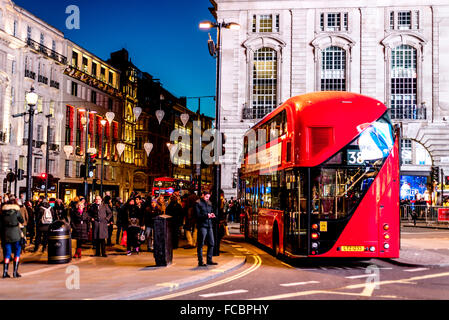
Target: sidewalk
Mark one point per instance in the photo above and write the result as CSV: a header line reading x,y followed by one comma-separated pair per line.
x,y
117,277
424,250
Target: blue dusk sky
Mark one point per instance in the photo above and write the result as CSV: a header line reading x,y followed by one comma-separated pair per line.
x,y
162,38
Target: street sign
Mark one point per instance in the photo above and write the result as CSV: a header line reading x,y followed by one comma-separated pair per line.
x,y
443,214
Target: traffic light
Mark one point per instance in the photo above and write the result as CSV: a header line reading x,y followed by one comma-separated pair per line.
x,y
435,174
91,165
20,174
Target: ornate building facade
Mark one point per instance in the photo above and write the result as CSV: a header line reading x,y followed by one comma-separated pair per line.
x,y
32,54
91,88
394,51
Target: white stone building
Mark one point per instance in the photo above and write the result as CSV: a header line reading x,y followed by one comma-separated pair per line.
x,y
395,51
32,54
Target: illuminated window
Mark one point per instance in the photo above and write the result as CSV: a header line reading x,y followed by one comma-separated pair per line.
x,y
264,84
403,83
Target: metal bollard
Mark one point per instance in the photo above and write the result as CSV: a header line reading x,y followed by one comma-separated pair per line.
x,y
163,248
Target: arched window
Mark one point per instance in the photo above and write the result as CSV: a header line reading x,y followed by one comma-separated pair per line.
x,y
403,75
264,88
333,69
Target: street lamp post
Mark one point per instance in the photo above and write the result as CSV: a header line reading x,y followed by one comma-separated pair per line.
x,y
215,51
85,122
47,154
31,100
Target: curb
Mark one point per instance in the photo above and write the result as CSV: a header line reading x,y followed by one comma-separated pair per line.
x,y
175,285
411,264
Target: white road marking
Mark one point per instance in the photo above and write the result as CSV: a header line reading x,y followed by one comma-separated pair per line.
x,y
209,295
416,270
60,266
359,276
298,283
356,286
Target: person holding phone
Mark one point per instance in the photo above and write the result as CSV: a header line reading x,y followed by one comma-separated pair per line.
x,y
204,215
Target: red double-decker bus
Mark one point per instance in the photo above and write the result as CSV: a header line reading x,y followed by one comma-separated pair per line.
x,y
320,178
165,186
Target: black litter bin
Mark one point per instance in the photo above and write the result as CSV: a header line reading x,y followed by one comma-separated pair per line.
x,y
59,243
163,247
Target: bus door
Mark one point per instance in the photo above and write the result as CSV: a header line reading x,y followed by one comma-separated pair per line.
x,y
293,203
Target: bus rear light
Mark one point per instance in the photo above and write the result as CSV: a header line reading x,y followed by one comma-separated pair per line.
x,y
315,236
386,227
387,236
313,252
315,226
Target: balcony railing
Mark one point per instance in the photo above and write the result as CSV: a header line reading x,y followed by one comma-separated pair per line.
x,y
30,74
408,113
46,51
36,144
54,84
253,113
42,79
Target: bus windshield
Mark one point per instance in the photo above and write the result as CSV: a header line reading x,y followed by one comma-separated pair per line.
x,y
339,184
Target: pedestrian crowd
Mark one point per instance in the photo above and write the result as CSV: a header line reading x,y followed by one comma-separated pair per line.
x,y
24,225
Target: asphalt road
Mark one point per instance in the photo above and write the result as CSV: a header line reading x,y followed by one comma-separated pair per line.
x,y
265,278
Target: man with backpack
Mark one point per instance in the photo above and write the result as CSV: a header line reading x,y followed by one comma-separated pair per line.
x,y
44,217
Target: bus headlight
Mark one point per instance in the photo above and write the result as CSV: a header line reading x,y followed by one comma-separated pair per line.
x,y
386,246
315,245
372,249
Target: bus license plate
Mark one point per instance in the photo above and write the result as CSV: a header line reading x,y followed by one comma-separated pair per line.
x,y
353,248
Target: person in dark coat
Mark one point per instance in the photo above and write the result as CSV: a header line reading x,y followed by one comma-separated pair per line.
x,y
190,225
44,218
31,228
135,223
60,210
204,215
107,200
100,215
151,212
79,221
122,219
174,209
10,218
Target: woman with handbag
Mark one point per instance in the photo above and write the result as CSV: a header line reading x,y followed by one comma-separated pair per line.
x,y
10,219
79,221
